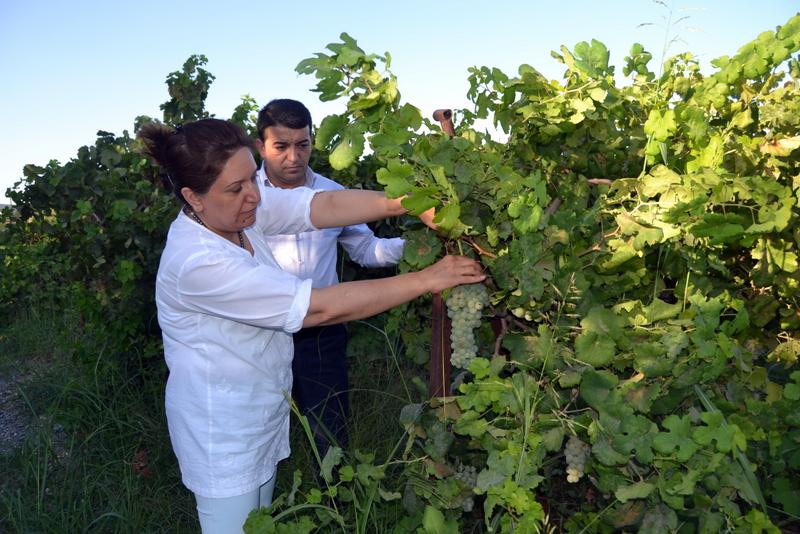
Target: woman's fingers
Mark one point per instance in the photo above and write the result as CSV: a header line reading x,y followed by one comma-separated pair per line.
x,y
451,271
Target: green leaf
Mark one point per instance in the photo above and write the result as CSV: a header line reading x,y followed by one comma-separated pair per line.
x,y
726,437
604,322
596,387
592,59
621,252
606,454
553,439
346,473
787,493
447,220
525,212
709,156
659,519
742,119
439,440
395,178
658,310
332,458
419,202
721,228
639,490
595,348
695,124
347,150
791,392
122,209
422,248
331,126
679,437
434,522
348,53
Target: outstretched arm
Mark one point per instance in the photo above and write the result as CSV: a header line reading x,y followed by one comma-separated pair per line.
x,y
351,301
330,209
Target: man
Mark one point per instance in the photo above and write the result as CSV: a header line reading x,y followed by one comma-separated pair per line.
x,y
320,386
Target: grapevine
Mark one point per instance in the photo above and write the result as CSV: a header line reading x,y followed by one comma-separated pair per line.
x,y
464,307
637,237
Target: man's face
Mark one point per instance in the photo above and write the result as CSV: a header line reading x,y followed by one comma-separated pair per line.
x,y
286,152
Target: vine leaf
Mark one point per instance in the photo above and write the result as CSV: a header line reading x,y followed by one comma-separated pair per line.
x,y
595,348
725,436
679,437
660,124
348,150
394,177
639,490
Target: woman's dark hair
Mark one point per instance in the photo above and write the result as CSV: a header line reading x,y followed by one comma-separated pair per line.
x,y
192,155
283,112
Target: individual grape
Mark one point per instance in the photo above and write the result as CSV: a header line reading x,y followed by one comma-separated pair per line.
x,y
464,307
576,453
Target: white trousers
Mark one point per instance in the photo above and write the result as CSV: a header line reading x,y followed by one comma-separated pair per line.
x,y
227,515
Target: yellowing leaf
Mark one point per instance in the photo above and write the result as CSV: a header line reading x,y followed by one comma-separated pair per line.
x,y
781,147
660,124
786,353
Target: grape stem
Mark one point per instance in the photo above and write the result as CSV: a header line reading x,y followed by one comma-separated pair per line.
x,y
499,340
479,249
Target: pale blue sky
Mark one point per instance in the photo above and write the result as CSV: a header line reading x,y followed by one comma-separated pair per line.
x,y
70,68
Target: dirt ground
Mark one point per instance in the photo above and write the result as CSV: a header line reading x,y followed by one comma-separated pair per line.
x,y
15,417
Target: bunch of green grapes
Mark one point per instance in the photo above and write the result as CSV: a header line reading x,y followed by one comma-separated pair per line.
x,y
576,452
464,307
467,475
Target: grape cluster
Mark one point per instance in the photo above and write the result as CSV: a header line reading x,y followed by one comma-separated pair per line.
x,y
467,475
577,452
464,307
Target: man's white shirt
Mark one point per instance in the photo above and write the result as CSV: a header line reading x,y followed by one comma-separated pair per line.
x,y
313,255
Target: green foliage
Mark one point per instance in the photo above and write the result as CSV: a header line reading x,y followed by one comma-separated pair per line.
x,y
188,89
642,245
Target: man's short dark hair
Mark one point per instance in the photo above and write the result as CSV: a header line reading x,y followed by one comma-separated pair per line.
x,y
283,112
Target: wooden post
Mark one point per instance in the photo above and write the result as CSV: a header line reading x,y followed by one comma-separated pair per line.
x,y
439,383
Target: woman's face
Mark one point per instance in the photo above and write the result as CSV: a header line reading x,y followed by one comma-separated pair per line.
x,y
230,204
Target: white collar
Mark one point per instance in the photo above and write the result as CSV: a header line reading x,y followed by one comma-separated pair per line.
x,y
311,177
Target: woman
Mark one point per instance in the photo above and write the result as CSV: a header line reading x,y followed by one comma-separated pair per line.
x,y
227,311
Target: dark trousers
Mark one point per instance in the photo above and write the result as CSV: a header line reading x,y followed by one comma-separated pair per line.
x,y
320,386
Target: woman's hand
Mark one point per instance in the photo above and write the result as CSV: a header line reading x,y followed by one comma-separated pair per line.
x,y
452,271
427,218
